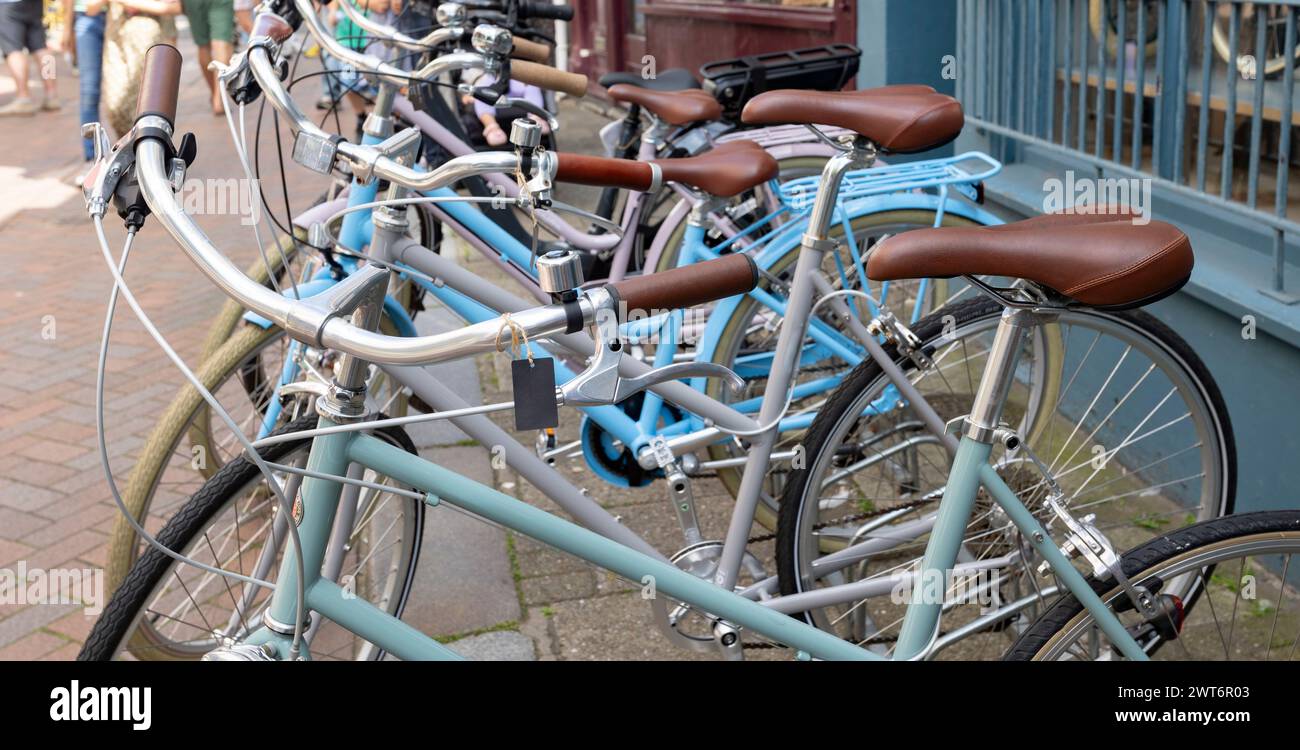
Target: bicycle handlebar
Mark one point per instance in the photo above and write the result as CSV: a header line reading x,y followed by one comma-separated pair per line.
x,y
391,34
315,321
526,49
529,72
546,77
688,286
160,83
603,171
530,9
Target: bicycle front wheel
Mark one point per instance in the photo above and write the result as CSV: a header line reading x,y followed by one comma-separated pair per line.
x,y
1120,410
1240,566
167,610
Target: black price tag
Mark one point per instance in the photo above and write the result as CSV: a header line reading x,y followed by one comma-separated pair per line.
x,y
534,385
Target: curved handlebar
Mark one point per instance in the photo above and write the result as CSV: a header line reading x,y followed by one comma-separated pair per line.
x,y
391,34
310,320
529,72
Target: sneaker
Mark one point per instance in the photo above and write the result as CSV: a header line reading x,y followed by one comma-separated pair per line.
x,y
52,104
22,107
325,102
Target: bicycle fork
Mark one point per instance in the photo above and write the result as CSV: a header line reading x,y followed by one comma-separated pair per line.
x,y
970,471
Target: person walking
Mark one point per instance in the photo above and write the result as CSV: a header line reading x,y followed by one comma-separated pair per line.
x,y
83,33
21,34
212,24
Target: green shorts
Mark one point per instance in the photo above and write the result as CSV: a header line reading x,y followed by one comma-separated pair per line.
x,y
210,19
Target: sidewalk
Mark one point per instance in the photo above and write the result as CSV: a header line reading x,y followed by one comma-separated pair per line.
x,y
497,595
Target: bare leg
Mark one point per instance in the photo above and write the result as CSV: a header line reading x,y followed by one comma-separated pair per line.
x,y
17,62
221,51
46,61
205,57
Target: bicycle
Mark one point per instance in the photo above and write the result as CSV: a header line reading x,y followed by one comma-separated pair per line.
x,y
1112,281
244,359
698,551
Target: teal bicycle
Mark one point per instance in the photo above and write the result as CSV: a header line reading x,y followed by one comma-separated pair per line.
x,y
1127,608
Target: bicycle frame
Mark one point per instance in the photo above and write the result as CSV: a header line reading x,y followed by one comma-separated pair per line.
x,y
475,301
332,454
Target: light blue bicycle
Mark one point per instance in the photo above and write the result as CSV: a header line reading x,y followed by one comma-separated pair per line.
x,y
1131,607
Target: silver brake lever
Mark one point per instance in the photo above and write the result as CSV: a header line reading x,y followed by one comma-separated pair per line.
x,y
600,384
510,101
628,387
532,109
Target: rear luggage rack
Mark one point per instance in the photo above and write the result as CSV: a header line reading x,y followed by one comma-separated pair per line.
x,y
963,172
734,82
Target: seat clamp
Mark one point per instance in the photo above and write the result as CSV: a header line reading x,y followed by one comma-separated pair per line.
x,y
656,178
821,246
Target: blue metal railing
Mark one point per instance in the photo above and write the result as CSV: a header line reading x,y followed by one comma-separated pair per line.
x,y
1147,89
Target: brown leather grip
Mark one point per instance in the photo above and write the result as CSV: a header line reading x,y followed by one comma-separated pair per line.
x,y
527,49
602,171
160,83
546,77
689,285
270,25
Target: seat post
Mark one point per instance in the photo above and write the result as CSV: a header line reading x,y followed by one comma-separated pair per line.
x,y
861,155
999,374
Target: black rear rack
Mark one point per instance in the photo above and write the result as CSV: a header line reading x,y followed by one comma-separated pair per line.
x,y
734,82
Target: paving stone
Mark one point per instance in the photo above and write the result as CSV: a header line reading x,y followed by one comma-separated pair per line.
x,y
464,581
501,645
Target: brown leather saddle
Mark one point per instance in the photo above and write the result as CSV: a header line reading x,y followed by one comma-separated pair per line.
x,y
899,119
729,169
673,107
1101,260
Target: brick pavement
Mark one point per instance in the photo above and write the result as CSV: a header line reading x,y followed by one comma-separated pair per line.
x,y
55,507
